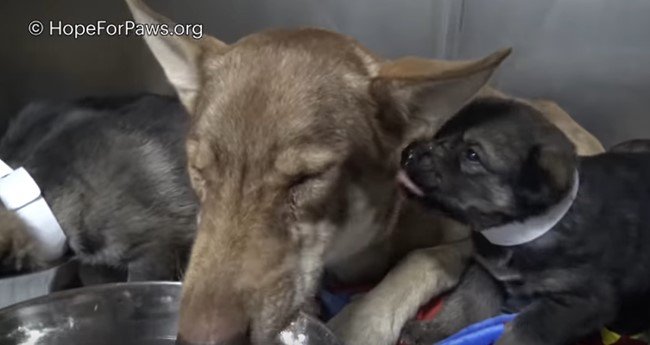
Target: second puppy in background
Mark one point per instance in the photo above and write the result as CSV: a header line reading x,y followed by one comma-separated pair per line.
x,y
560,238
113,171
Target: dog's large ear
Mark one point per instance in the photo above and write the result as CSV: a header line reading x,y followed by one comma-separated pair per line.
x,y
419,95
179,56
547,175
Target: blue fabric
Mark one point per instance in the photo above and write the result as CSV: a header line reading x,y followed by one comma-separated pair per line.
x,y
483,333
332,303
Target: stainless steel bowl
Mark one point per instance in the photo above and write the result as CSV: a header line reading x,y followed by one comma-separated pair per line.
x,y
120,313
18,288
111,314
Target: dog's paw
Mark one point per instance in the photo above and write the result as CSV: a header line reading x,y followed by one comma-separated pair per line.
x,y
513,335
421,333
18,252
508,339
361,323
413,333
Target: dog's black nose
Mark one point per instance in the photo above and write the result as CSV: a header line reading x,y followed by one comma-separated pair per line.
x,y
418,156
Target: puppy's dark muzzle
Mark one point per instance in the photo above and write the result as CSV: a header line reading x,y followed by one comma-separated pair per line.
x,y
418,155
419,163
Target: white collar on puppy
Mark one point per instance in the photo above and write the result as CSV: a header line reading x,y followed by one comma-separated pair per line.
x,y
517,233
20,193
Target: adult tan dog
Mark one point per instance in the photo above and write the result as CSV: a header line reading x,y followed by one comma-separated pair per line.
x,y
293,152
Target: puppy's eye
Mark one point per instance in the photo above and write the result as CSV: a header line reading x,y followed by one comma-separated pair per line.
x,y
472,156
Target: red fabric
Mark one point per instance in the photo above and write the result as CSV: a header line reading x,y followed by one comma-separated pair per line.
x,y
429,311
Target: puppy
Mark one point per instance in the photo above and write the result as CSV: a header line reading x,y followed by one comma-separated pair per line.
x,y
562,238
113,171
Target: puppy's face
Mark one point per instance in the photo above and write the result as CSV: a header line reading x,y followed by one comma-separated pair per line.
x,y
495,162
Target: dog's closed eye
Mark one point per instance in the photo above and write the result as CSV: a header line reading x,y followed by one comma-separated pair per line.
x,y
311,188
303,178
302,164
314,178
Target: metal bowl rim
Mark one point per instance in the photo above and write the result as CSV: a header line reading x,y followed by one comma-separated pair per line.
x,y
60,295
38,272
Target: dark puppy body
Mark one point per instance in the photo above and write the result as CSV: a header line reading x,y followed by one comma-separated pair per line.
x,y
114,173
635,145
499,162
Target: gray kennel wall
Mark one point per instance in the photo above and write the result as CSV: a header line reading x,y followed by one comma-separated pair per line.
x,y
588,55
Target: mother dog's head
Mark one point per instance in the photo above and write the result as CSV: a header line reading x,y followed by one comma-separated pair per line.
x,y
295,139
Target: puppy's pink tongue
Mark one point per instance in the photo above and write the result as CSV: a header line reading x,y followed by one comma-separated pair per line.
x,y
404,180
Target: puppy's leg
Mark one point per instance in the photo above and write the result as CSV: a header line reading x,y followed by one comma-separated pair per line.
x,y
378,317
18,251
561,319
477,297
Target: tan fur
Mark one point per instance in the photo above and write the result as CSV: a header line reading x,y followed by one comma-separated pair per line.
x,y
293,152
17,248
378,316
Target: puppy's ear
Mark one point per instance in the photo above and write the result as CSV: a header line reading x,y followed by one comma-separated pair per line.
x,y
546,176
419,95
179,56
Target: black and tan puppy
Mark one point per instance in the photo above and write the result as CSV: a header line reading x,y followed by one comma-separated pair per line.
x,y
564,239
113,171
